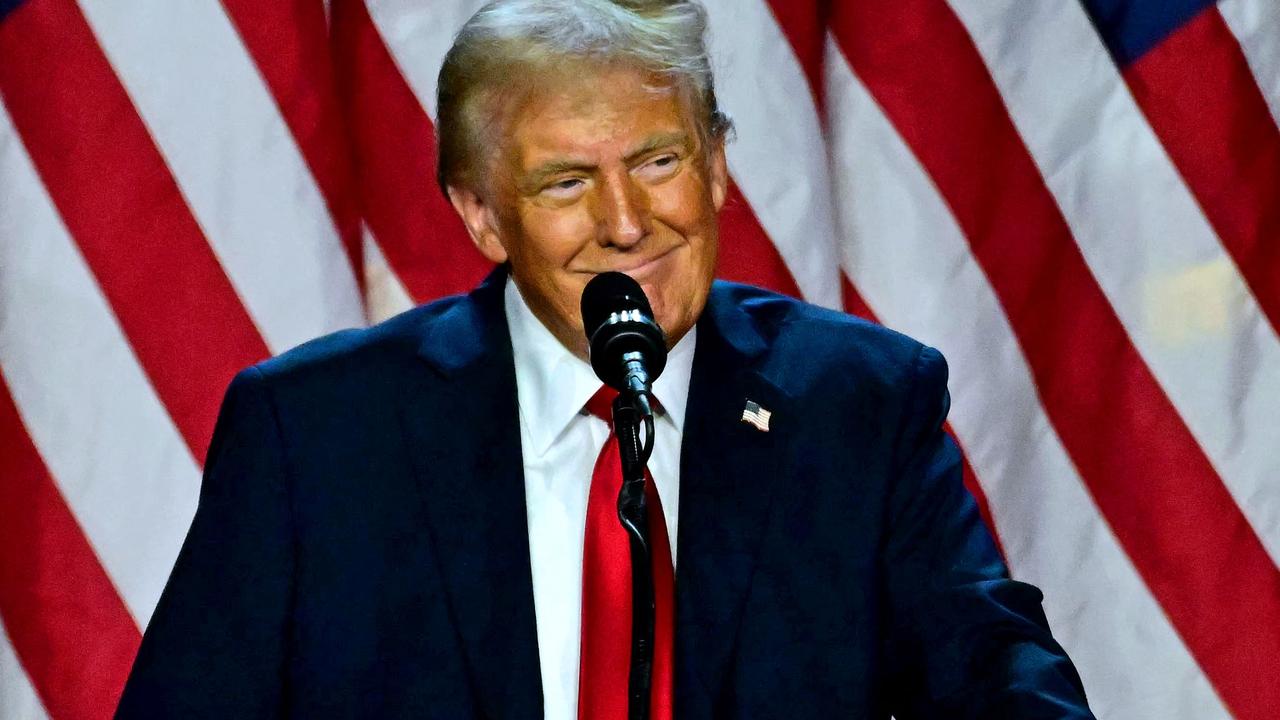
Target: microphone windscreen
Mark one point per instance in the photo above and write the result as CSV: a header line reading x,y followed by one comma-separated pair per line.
x,y
608,293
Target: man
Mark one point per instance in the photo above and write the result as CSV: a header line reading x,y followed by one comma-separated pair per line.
x,y
403,521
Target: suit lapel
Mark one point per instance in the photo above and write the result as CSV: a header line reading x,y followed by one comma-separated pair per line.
x,y
729,471
464,437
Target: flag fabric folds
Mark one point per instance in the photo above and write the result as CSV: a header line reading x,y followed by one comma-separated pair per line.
x,y
1077,201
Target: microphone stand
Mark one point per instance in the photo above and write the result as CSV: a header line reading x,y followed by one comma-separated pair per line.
x,y
628,417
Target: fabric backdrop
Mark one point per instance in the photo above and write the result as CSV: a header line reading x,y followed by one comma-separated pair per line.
x,y
1077,201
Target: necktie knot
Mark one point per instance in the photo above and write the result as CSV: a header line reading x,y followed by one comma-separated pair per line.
x,y
601,404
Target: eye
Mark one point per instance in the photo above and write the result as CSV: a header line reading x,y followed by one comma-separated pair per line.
x,y
566,189
660,168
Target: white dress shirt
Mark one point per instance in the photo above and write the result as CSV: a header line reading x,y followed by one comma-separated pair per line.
x,y
560,442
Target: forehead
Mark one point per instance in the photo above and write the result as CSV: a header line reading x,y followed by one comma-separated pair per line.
x,y
593,116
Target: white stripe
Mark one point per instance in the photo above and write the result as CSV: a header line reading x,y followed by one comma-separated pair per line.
x,y
386,294
1256,24
111,448
1174,288
238,166
418,35
17,695
911,262
779,156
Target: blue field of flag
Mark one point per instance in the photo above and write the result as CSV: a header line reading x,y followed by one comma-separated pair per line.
x,y
1132,27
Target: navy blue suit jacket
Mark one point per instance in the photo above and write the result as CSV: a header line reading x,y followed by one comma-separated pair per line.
x,y
360,548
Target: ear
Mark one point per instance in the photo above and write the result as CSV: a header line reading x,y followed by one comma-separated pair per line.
x,y
719,174
481,222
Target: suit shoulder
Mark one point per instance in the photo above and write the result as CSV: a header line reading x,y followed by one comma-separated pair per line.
x,y
357,351
807,340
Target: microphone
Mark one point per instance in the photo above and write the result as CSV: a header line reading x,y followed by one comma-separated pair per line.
x,y
627,347
628,351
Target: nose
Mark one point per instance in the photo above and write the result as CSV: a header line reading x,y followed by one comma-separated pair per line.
x,y
624,212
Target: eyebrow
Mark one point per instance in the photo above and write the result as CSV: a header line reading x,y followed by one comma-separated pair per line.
x,y
538,175
661,140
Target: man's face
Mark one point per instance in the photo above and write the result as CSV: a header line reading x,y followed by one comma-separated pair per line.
x,y
597,173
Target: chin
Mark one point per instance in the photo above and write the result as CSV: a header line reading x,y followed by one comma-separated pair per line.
x,y
673,325
660,307
676,318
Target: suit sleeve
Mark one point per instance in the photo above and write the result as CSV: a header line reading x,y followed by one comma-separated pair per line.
x,y
215,647
965,640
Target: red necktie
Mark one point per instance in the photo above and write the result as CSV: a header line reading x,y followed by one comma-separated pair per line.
x,y
605,664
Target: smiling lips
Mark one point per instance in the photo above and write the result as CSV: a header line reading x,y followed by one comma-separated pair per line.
x,y
637,270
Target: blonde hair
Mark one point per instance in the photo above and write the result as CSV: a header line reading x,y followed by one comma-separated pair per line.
x,y
508,41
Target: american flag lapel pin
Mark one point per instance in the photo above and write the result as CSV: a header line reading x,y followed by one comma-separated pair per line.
x,y
756,416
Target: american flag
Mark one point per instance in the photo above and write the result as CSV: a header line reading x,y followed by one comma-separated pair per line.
x,y
756,416
1077,201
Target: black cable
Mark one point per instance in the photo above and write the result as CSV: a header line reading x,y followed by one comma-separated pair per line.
x,y
648,440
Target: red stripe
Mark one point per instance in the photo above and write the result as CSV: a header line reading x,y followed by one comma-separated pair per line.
x,y
854,304
804,22
288,40
122,206
420,235
69,628
117,197
747,254
1152,482
1201,99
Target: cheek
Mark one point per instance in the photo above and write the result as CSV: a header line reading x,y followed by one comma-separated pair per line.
x,y
685,204
554,236
550,239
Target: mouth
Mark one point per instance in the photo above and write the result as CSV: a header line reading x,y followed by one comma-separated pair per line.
x,y
640,270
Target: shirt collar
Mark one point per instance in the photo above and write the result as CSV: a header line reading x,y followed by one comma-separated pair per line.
x,y
553,384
